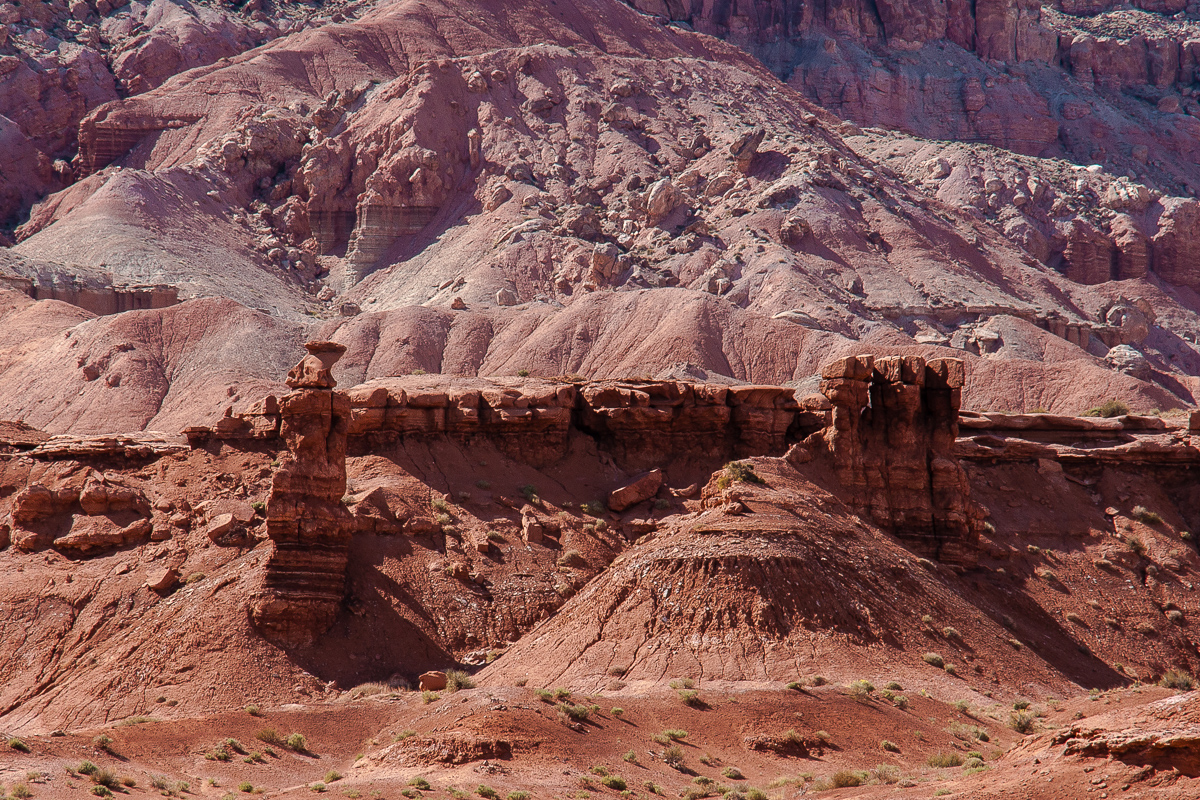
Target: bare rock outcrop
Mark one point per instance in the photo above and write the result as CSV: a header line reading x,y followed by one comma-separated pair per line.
x,y
308,525
894,423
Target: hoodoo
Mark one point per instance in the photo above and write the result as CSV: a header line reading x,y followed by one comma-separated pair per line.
x,y
308,525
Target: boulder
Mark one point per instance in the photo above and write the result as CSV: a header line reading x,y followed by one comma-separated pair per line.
x,y
219,526
642,489
661,200
1129,360
162,580
604,261
745,147
507,297
432,681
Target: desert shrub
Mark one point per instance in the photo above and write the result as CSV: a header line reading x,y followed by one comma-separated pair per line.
x,y
102,791
653,788
1021,722
333,776
254,711
457,679
934,660
1109,409
428,697
576,713
297,742
675,735
1146,629
755,794
1021,705
484,790
950,669
847,777
220,753
894,686
617,711
683,683
861,690
891,747
614,782
1175,615
942,759
819,680
572,558
519,794
440,504
886,773
270,736
736,471
19,745
1143,514
630,757
795,686
1136,545
105,777
1074,618
1112,623
246,786
690,697
1176,679
962,707
900,701
733,773
822,735
951,633
673,757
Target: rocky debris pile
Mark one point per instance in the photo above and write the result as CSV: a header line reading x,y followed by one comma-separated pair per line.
x,y
81,512
894,423
307,523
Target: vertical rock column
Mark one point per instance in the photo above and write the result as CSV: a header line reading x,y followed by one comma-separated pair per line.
x,y
306,521
846,382
894,423
898,438
954,530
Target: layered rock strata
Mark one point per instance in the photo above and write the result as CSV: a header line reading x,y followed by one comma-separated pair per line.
x,y
308,525
637,422
894,423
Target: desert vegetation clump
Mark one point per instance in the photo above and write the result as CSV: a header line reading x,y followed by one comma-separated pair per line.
x,y
457,679
934,660
1021,722
673,757
942,759
1143,514
1177,679
737,472
1108,409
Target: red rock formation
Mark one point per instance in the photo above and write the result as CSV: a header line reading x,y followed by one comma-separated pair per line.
x,y
894,423
306,520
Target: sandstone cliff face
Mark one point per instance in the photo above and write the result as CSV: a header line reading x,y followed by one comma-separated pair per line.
x,y
892,435
308,525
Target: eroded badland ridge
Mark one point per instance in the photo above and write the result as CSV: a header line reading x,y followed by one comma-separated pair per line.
x,y
587,398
